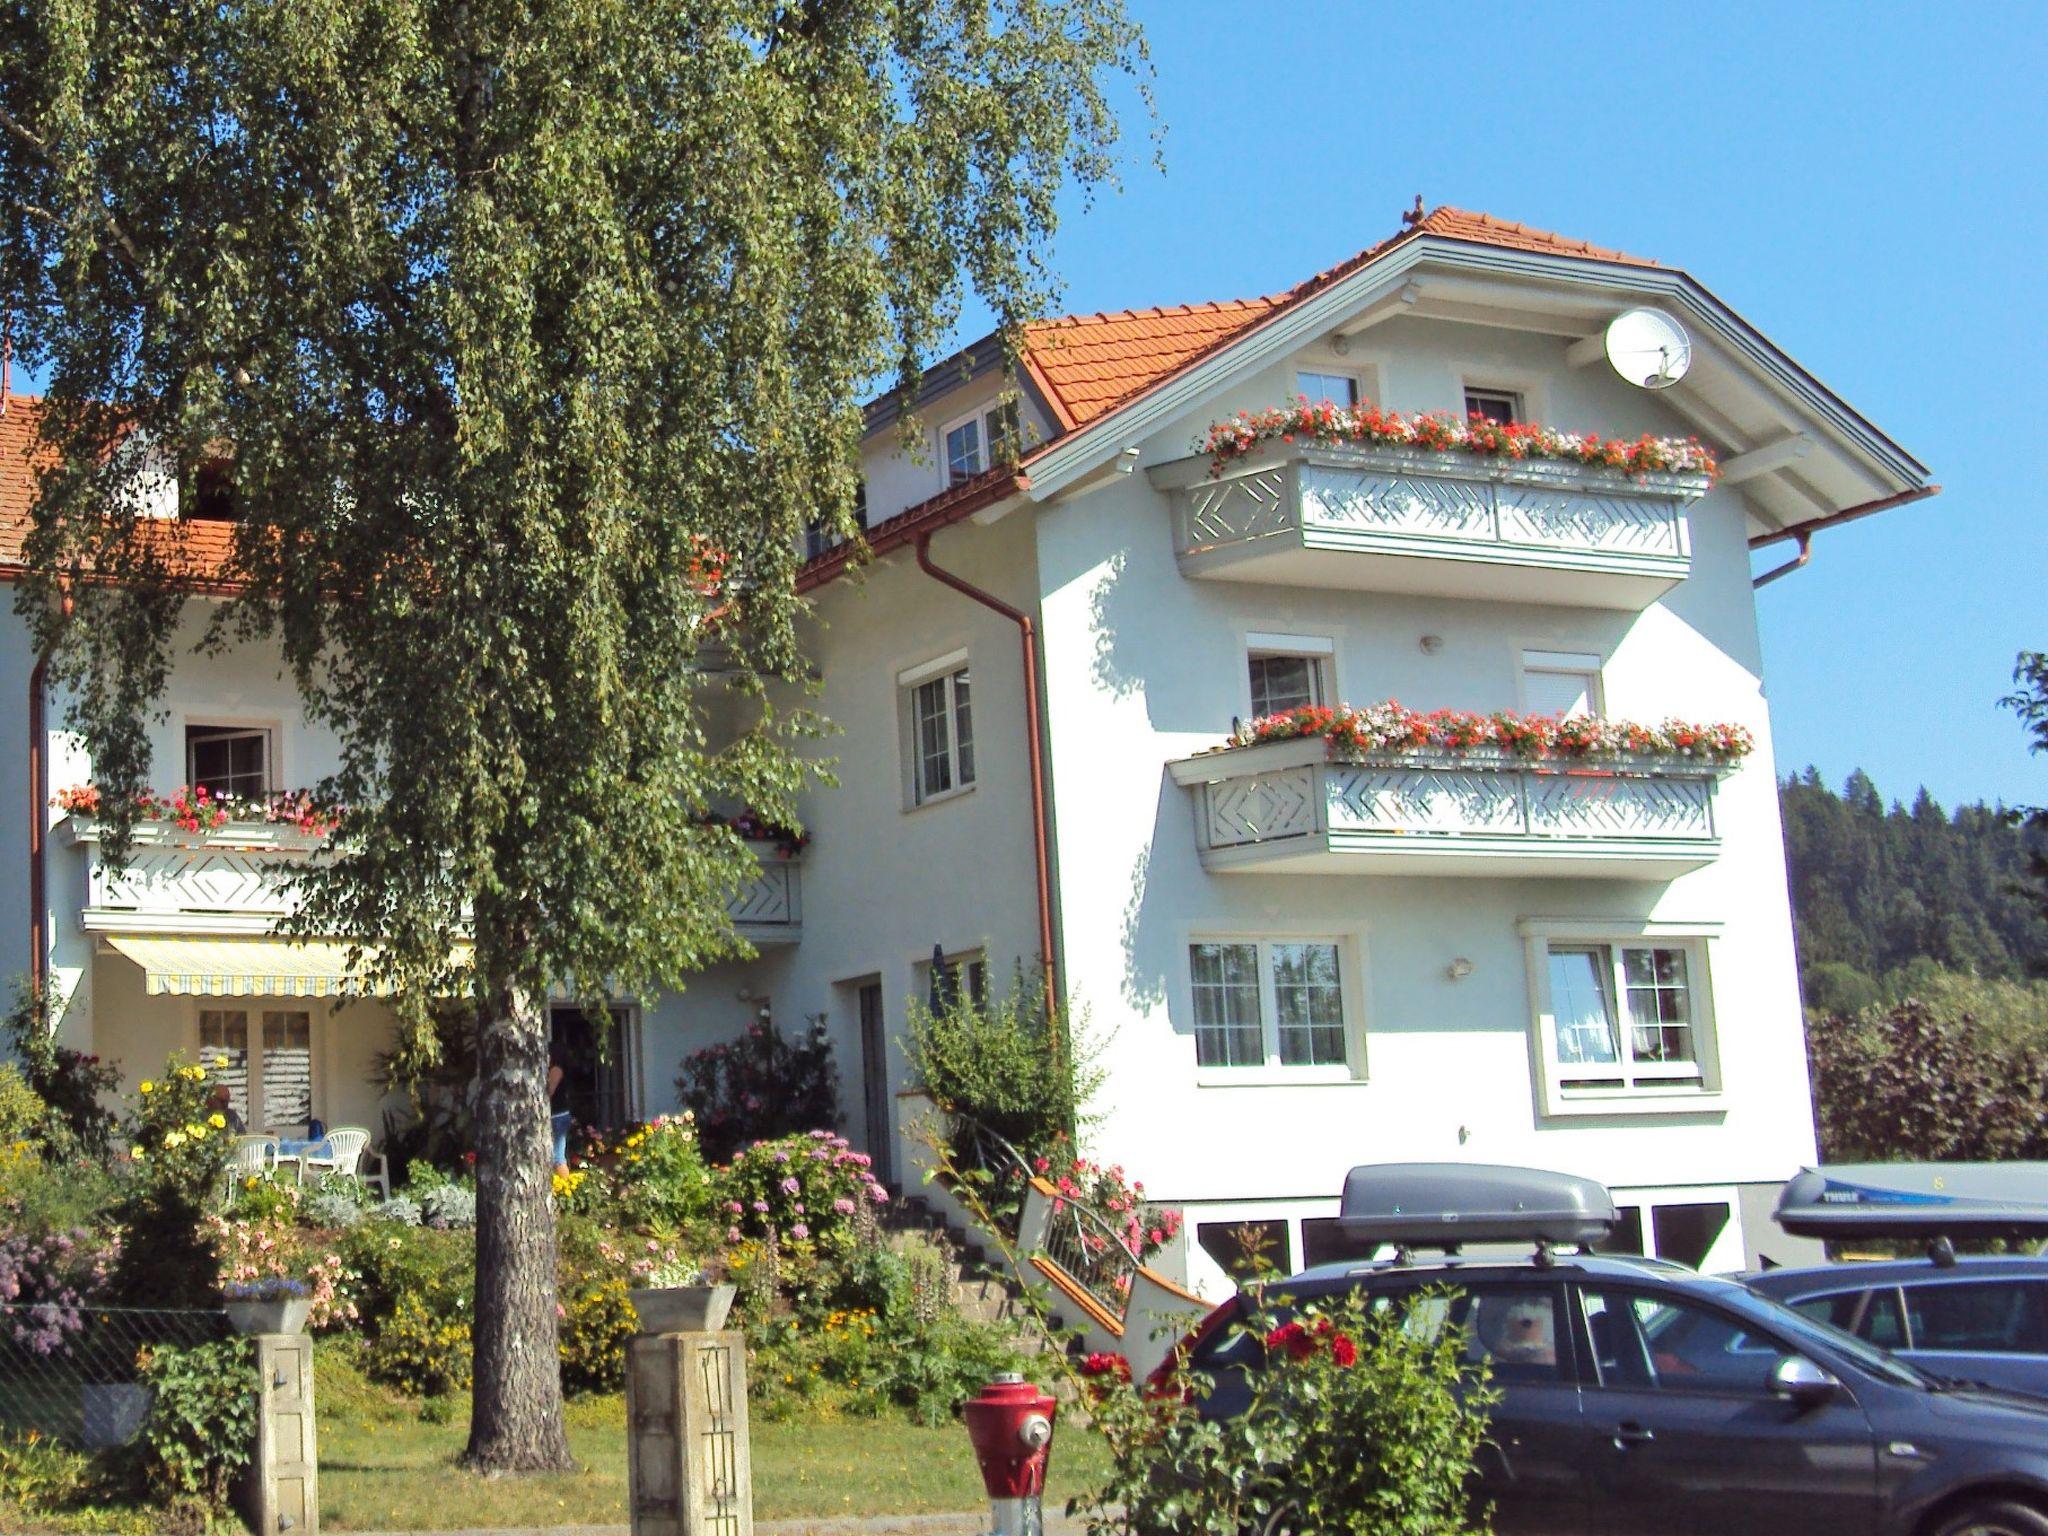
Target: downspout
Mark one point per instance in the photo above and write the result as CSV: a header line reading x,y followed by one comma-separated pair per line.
x,y
1804,532
38,813
1033,729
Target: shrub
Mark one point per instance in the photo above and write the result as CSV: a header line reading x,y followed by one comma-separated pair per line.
x,y
806,1189
420,1352
47,1279
450,1207
596,1322
268,1197
22,1111
1356,1423
1013,1065
178,1144
657,1175
1118,1200
52,1195
391,1265
202,1424
761,1085
336,1203
402,1210
69,1083
40,1473
255,1252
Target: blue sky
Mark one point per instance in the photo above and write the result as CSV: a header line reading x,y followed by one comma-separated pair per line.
x,y
1867,184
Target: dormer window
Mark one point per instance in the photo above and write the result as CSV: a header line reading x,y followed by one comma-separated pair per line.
x,y
1337,388
818,538
1499,406
212,493
975,442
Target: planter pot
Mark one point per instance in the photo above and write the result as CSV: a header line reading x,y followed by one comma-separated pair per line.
x,y
682,1308
113,1414
287,1314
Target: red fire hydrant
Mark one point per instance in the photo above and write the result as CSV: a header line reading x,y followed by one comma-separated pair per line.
x,y
1010,1424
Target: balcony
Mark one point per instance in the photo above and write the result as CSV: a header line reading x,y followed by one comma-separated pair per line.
x,y
237,879
1286,806
1440,524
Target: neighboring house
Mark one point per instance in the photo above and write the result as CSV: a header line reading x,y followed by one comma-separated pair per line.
x,y
1292,965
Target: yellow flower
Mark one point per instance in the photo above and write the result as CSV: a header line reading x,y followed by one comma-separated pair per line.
x,y
218,1122
220,1061
136,1153
199,1133
174,1138
148,1086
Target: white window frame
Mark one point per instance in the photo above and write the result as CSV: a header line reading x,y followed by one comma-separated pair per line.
x,y
1324,371
1269,1069
1727,1252
1319,650
273,740
908,682
991,420
1566,1092
1587,664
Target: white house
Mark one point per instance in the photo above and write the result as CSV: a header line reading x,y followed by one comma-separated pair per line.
x,y
1293,962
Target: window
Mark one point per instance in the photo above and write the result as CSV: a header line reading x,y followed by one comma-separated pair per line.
x,y
228,760
1666,1344
963,977
1560,683
212,493
1287,672
1275,1003
1621,1016
941,716
1985,1317
1497,405
278,1079
1246,1249
975,442
818,538
1337,388
1872,1315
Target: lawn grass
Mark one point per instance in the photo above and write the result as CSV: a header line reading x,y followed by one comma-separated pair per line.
x,y
382,1469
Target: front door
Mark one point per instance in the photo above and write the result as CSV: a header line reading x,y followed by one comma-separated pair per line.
x,y
593,1047
874,1081
1684,1436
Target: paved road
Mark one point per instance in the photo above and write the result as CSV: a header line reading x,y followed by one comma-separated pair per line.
x,y
883,1525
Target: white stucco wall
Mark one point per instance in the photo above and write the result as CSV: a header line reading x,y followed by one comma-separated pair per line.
x,y
1145,665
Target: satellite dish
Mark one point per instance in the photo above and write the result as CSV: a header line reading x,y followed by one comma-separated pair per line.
x,y
1648,348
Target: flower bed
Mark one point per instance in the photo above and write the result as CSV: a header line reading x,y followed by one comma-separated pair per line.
x,y
1323,424
1392,729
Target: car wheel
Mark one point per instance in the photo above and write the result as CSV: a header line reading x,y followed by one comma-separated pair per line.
x,y
1993,1517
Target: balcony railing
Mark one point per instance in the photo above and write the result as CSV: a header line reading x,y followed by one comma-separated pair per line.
x,y
1445,524
237,878
1286,806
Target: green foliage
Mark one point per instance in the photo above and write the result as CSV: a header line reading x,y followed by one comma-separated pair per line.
x,y
760,1086
1916,1082
40,1473
201,1429
70,1084
1014,1064
394,1264
2029,700
22,1110
597,1320
1356,1424
1877,889
419,1351
266,1198
654,1176
806,1193
178,1144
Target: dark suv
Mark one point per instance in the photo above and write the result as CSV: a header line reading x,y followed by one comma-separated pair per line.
x,y
1639,1398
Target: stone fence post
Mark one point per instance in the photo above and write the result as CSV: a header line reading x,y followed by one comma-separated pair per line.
x,y
281,1489
689,1469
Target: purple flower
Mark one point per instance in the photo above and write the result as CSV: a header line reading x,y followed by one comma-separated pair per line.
x,y
878,1195
732,1234
781,1156
789,1186
799,1231
761,1206
735,1207
843,1206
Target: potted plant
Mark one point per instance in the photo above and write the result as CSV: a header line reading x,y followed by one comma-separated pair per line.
x,y
675,1298
274,1304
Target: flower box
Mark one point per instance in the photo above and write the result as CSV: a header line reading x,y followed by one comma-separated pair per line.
x,y
682,1308
286,1314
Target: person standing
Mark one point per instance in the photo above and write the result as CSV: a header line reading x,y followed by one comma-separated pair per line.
x,y
558,1108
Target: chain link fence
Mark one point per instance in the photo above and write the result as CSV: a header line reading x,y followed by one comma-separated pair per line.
x,y
73,1372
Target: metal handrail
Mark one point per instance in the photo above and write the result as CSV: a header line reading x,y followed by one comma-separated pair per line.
x,y
1007,1170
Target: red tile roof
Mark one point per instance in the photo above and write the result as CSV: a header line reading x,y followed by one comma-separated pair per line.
x,y
1087,365
196,553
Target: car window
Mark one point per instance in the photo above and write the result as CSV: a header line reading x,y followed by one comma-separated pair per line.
x,y
1670,1344
1873,1315
1515,1331
1998,1317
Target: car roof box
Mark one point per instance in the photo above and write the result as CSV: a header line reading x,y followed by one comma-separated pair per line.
x,y
1917,1200
1445,1205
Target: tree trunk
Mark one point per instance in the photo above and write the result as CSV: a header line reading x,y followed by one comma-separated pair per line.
x,y
516,1422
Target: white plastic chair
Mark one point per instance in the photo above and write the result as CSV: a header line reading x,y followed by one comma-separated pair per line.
x,y
254,1156
344,1151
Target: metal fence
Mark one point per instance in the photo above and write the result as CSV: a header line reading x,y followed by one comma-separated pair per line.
x,y
74,1373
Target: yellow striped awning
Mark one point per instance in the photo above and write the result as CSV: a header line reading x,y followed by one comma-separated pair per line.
x,y
191,967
